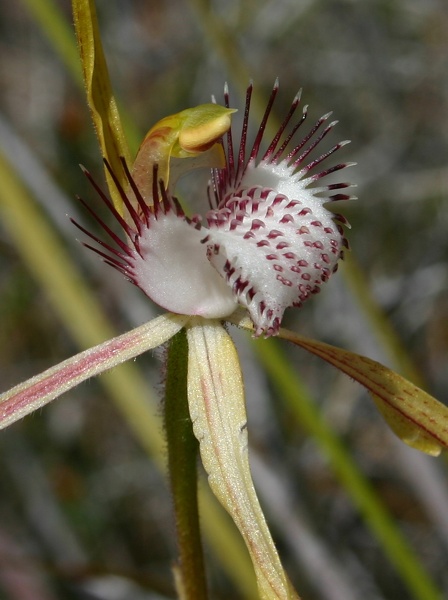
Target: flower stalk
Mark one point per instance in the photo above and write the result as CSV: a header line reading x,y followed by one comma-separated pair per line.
x,y
182,448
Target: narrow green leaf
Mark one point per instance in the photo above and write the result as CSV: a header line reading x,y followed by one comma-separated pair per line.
x,y
99,95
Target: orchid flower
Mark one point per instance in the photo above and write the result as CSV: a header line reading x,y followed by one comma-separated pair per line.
x,y
267,242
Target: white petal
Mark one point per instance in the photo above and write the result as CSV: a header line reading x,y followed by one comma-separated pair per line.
x,y
172,269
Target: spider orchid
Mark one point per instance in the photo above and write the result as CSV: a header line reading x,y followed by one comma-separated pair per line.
x,y
267,242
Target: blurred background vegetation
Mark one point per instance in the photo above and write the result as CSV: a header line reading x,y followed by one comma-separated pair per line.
x,y
84,511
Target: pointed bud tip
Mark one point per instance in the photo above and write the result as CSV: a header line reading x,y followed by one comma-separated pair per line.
x,y
204,126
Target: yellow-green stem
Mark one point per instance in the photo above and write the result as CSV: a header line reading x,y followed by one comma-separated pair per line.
x,y
182,459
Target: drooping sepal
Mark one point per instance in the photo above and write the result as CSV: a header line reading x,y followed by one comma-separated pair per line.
x,y
217,410
414,416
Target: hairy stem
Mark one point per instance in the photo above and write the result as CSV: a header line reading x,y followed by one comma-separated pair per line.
x,y
182,458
